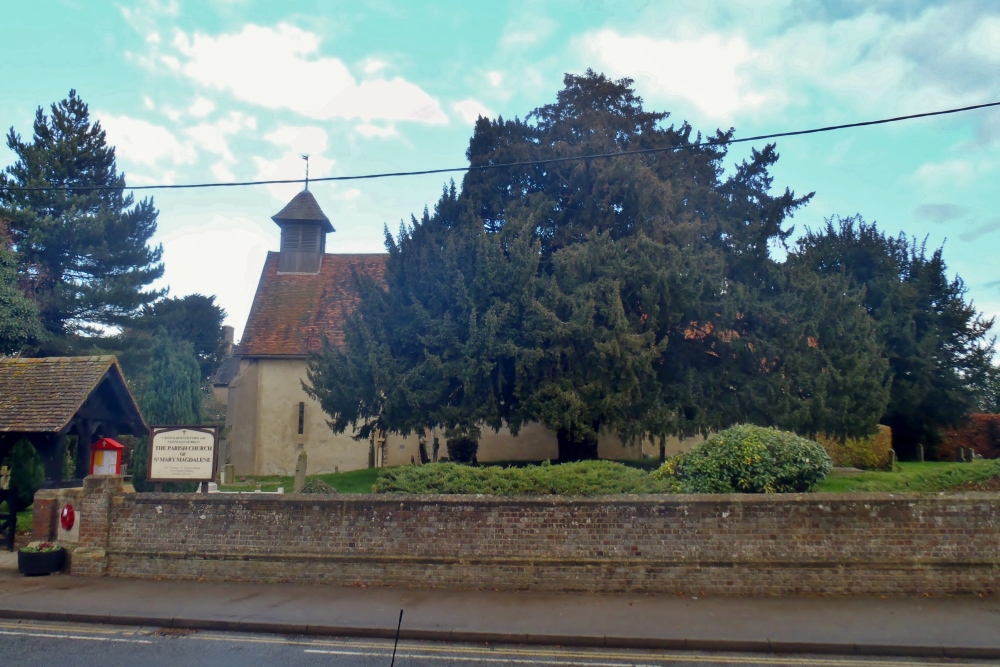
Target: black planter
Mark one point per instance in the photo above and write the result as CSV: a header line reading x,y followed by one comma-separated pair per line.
x,y
34,564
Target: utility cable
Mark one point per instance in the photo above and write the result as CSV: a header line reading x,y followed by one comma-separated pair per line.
x,y
506,165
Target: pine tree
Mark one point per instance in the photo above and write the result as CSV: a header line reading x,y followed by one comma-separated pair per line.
x,y
83,253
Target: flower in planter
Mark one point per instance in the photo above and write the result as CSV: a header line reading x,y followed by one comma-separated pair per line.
x,y
41,547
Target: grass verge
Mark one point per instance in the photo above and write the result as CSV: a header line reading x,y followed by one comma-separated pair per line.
x,y
355,481
927,477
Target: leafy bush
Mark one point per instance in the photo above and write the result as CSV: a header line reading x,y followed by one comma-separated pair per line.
x,y
871,453
583,478
315,485
26,471
748,459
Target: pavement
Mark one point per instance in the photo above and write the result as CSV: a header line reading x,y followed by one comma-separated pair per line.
x,y
965,627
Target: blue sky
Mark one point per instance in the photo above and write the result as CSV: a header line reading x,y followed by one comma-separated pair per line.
x,y
236,90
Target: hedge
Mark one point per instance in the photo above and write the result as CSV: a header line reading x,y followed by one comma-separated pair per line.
x,y
583,478
871,453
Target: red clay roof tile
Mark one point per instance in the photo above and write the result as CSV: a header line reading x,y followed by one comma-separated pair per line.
x,y
292,312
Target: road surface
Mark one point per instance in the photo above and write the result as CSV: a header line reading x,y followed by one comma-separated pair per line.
x,y
45,644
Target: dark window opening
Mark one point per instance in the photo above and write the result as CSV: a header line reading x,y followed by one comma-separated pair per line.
x,y
302,417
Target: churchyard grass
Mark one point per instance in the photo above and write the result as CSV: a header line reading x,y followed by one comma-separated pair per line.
x,y
355,481
930,476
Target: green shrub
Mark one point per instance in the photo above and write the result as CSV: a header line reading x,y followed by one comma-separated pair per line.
x,y
316,485
871,453
26,471
749,459
583,478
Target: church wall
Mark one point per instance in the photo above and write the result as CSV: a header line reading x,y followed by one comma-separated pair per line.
x,y
280,387
610,446
241,418
263,413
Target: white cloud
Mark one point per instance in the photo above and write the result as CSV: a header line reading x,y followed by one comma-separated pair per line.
x,y
211,137
373,65
353,193
148,102
704,71
294,142
300,139
495,78
142,142
221,257
945,174
221,172
470,110
201,107
280,68
369,131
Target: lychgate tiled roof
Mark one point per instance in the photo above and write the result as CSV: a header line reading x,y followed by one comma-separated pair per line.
x,y
292,312
303,208
42,395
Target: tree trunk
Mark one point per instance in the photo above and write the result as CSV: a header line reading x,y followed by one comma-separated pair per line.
x,y
573,447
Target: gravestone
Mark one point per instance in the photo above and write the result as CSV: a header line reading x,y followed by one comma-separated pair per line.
x,y
300,471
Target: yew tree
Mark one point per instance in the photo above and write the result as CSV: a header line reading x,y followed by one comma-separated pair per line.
x,y
937,344
633,294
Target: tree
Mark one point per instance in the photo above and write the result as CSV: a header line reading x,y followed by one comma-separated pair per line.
x,y
27,473
194,319
18,316
633,295
936,343
83,251
170,394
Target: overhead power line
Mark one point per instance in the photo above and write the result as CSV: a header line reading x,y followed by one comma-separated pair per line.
x,y
528,163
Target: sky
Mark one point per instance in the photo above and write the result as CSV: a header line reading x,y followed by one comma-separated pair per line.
x,y
233,90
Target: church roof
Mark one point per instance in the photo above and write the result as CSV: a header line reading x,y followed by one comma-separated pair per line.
x,y
303,208
291,312
43,395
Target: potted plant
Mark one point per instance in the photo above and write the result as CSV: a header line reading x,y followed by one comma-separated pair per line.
x,y
39,558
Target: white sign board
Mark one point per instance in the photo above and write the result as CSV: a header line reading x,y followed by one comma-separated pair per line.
x,y
182,453
106,462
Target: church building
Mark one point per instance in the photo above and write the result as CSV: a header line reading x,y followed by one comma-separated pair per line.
x,y
304,294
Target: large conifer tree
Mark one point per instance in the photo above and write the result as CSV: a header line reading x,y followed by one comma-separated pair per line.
x,y
83,252
633,294
936,343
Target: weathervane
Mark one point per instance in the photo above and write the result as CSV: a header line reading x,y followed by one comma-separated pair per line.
x,y
305,156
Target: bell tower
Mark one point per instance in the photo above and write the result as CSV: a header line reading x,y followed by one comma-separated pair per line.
x,y
304,227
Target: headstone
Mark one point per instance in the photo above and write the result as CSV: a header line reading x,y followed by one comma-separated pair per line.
x,y
228,473
920,452
300,471
892,460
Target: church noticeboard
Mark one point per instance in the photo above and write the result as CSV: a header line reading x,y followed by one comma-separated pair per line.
x,y
182,454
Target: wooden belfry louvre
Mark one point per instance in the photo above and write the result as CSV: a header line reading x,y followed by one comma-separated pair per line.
x,y
304,227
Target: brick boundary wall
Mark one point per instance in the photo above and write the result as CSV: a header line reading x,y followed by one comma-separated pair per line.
x,y
717,545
